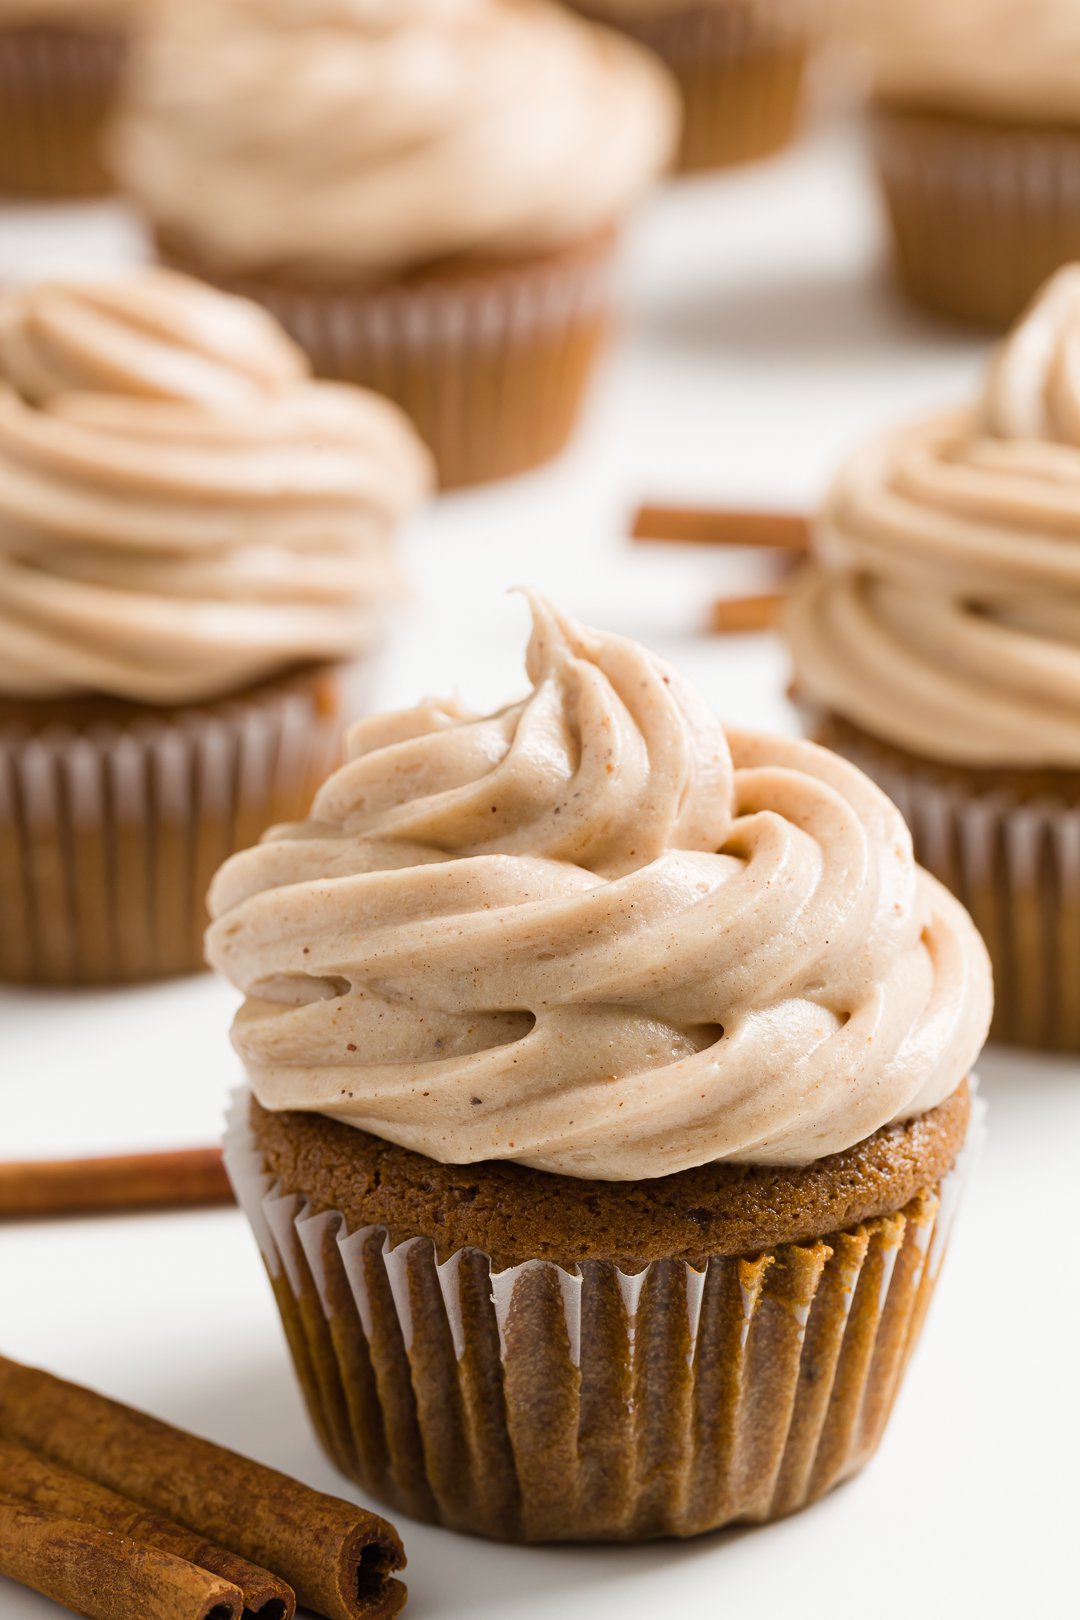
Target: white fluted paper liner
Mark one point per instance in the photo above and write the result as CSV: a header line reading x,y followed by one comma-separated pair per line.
x,y
982,216
1015,865
109,836
750,1385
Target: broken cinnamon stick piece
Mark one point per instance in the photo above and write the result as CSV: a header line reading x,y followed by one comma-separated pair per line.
x,y
106,1576
190,1178
33,1479
338,1558
691,525
732,615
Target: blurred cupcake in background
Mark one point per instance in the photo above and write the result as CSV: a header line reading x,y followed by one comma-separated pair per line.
x,y
427,193
196,546
740,65
936,641
977,134
60,62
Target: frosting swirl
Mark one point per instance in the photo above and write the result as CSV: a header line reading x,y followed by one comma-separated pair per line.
x,y
1008,58
358,138
942,612
598,933
182,511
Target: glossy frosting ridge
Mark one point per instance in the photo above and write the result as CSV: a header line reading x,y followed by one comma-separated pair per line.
x,y
598,933
182,510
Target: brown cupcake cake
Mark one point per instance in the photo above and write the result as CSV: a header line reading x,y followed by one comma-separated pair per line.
x,y
936,642
739,65
195,556
976,129
60,63
428,197
610,1104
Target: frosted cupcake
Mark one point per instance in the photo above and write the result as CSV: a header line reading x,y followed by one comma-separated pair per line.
x,y
195,547
59,69
739,65
936,641
610,1098
977,130
427,195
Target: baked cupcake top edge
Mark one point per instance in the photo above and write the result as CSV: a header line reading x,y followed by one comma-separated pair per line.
x,y
941,612
515,1214
183,510
357,140
598,933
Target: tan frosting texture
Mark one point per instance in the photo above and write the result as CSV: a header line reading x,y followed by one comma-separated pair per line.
x,y
598,933
182,510
360,138
942,612
1016,58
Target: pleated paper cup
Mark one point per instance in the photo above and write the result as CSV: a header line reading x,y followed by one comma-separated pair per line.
x,y
981,214
1014,861
111,831
586,1402
490,361
56,89
740,66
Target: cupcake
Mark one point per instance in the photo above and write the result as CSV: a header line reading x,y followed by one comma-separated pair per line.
x,y
427,196
936,642
60,63
739,65
977,133
610,1098
195,548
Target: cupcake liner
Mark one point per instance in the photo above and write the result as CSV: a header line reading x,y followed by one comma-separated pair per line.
x,y
1015,865
109,835
56,88
981,215
491,366
740,69
583,1402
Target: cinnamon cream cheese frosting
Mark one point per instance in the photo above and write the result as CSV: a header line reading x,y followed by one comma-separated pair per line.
x,y
942,611
360,138
182,510
599,933
1010,58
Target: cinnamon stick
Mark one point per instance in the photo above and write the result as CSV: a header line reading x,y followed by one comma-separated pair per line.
x,y
106,1576
57,1491
732,615
338,1558
190,1178
729,526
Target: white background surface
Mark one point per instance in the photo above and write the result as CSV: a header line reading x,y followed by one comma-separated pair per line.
x,y
761,342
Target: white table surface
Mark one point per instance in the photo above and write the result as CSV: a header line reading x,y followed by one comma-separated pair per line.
x,y
761,342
